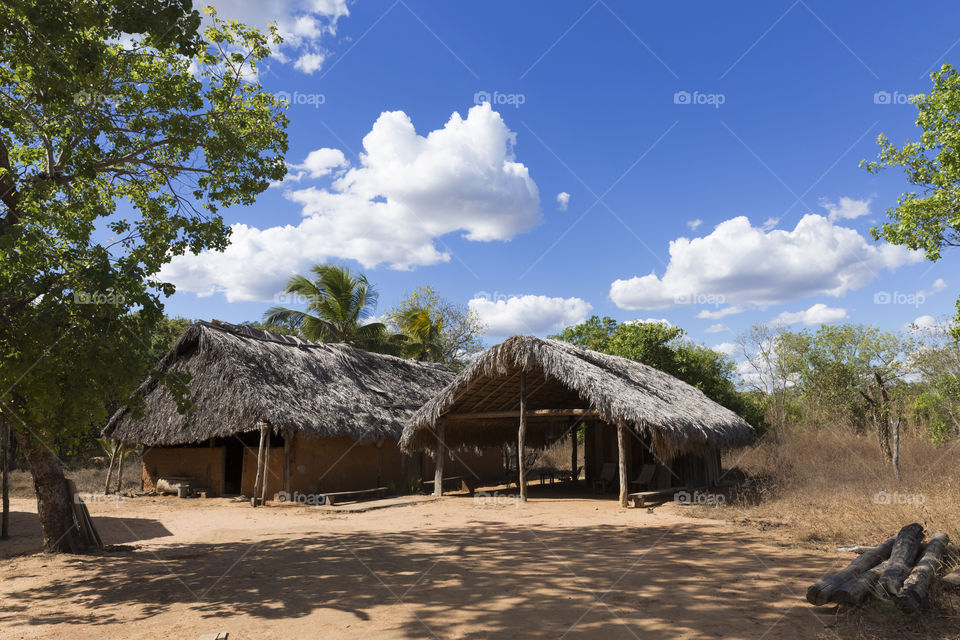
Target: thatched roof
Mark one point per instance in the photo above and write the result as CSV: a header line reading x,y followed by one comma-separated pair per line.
x,y
676,416
242,376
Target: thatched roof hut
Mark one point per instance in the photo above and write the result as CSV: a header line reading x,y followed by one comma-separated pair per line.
x,y
480,406
243,377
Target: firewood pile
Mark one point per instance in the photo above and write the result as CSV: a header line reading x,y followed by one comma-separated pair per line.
x,y
902,567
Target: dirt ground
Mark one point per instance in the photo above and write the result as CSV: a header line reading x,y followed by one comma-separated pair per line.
x,y
561,566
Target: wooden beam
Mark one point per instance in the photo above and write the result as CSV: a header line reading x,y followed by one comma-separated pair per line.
x,y
438,469
287,450
489,395
622,456
266,470
573,452
256,482
522,437
529,394
530,413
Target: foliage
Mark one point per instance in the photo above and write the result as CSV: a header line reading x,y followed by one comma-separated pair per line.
x,y
123,131
460,328
663,347
340,305
423,333
928,220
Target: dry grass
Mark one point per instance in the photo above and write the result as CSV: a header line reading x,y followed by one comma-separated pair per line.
x,y
824,489
89,480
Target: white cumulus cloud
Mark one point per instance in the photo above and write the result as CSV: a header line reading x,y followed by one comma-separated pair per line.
x,y
726,348
563,200
847,208
741,264
817,314
717,328
529,314
302,23
694,224
407,191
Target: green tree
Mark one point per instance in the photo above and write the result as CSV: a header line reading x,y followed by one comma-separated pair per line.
x,y
928,219
461,330
339,306
123,131
423,333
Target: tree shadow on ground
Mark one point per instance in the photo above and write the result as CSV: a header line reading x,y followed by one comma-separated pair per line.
x,y
485,579
26,536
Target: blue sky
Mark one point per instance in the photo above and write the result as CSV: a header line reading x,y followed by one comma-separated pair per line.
x,y
665,124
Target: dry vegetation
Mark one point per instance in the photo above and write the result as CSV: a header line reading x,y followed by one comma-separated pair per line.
x,y
827,489
88,480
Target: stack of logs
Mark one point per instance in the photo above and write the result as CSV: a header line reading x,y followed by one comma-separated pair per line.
x,y
902,567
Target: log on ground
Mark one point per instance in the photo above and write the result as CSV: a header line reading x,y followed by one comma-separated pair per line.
x,y
857,589
820,593
905,552
917,586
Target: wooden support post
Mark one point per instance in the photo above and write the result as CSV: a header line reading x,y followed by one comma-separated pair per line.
x,y
266,470
256,482
287,449
573,453
113,459
438,469
120,455
5,482
589,471
522,437
622,457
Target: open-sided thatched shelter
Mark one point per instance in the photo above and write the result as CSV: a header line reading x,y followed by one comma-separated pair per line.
x,y
531,390
336,411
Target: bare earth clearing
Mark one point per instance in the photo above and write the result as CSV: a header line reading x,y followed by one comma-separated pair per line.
x,y
569,567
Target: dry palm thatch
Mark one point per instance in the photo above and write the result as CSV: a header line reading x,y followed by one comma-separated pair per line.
x,y
242,376
675,416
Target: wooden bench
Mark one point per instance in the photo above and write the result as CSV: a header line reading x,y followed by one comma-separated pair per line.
x,y
640,498
444,482
336,496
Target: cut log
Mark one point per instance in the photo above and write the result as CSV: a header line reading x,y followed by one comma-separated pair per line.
x,y
857,589
917,585
819,593
952,580
904,555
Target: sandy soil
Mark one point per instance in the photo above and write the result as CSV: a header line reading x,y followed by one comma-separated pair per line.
x,y
563,566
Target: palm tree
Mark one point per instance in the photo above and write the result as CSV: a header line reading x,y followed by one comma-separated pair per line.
x,y
424,335
338,305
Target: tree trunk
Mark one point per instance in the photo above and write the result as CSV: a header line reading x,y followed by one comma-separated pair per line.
x,y
5,470
896,449
54,502
915,589
822,592
902,558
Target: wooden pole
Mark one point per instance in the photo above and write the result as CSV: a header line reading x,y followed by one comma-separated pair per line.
x,y
574,476
522,437
123,450
266,470
256,482
5,470
113,459
438,468
622,456
287,447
